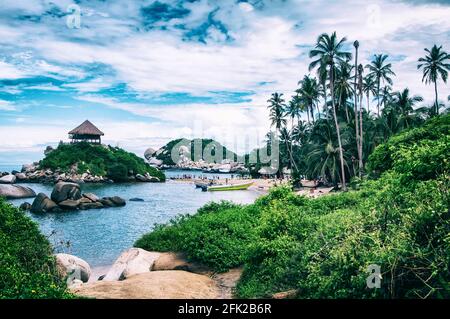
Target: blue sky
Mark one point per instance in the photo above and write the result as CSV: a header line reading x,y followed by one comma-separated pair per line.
x,y
149,71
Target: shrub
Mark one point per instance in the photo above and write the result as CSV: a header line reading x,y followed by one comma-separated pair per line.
x,y
27,266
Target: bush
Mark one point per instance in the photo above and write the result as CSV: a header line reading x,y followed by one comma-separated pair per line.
x,y
27,266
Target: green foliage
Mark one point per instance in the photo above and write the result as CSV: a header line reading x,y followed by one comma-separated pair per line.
x,y
382,158
322,247
100,160
27,266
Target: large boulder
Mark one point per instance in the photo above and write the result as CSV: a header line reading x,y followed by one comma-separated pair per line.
x,y
69,204
92,205
131,262
16,191
118,201
43,204
25,206
63,191
171,284
73,267
148,154
8,179
92,197
21,176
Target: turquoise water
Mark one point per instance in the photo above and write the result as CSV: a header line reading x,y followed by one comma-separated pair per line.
x,y
99,236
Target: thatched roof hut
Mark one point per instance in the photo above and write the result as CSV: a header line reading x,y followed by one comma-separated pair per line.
x,y
86,132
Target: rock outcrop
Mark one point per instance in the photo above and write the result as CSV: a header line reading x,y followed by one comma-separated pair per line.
x,y
68,196
16,191
131,262
65,191
43,204
73,267
8,179
171,284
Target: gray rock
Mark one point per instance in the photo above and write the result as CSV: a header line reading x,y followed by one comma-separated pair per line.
x,y
72,267
21,176
8,179
92,197
131,262
69,204
63,191
25,206
106,201
141,178
136,200
16,191
86,206
43,204
118,201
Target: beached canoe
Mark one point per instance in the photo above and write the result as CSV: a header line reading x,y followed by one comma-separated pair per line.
x,y
235,187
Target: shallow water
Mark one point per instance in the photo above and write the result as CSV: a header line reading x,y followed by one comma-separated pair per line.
x,y
99,236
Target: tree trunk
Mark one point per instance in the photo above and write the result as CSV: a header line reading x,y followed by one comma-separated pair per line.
x,y
356,111
311,107
341,154
378,96
361,164
436,93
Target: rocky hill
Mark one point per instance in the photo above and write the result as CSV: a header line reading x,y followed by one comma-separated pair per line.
x,y
206,154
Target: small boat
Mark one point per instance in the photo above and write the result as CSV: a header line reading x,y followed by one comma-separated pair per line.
x,y
201,184
235,187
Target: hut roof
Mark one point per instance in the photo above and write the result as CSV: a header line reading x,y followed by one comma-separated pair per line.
x,y
86,128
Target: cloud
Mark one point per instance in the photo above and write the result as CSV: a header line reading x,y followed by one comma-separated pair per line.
x,y
6,106
170,68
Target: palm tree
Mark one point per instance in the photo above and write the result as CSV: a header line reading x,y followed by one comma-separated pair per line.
x,y
381,72
385,95
309,93
435,65
360,91
329,51
369,86
277,110
404,104
343,86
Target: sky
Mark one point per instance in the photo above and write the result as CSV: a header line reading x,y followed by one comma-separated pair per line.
x,y
146,72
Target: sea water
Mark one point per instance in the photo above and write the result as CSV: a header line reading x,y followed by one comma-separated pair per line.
x,y
99,236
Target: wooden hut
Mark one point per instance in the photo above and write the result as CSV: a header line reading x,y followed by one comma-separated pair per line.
x,y
86,132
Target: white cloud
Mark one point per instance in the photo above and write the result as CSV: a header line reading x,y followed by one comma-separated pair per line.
x,y
6,106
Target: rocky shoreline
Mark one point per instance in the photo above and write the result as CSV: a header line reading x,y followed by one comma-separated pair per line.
x,y
67,196
141,274
32,173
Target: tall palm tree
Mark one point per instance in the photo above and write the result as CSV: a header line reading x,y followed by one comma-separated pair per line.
x,y
309,93
382,72
435,64
329,51
359,91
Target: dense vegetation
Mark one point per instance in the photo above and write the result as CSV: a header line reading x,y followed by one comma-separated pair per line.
x,y
27,266
197,149
323,247
350,109
99,160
